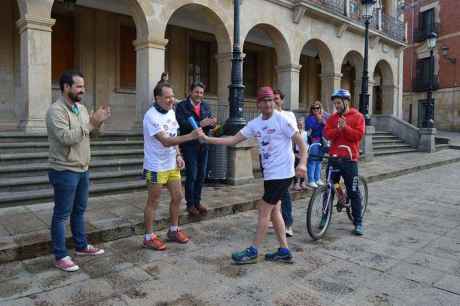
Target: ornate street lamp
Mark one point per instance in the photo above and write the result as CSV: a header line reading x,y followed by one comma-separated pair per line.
x,y
367,13
236,121
428,121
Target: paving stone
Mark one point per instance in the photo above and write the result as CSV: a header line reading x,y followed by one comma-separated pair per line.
x,y
81,293
22,223
416,273
449,283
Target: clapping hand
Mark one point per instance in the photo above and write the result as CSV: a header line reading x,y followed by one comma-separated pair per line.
x,y
102,114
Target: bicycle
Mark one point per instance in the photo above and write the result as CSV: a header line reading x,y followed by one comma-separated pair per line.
x,y
321,203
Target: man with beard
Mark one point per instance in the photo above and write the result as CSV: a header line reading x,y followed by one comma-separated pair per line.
x,y
69,126
195,153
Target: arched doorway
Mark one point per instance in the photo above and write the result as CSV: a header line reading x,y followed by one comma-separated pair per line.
x,y
317,63
383,89
266,61
352,67
10,66
196,36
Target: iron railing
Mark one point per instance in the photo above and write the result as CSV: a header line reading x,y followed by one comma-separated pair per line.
x,y
422,34
388,25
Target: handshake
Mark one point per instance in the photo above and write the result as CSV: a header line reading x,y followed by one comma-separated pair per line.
x,y
199,134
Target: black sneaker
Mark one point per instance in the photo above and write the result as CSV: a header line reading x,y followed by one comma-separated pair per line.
x,y
280,256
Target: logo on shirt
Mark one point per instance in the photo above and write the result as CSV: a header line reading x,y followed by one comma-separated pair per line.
x,y
271,131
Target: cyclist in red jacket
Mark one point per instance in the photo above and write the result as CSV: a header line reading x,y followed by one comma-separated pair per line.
x,y
344,129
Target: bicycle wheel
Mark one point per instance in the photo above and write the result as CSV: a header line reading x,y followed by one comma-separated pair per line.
x,y
319,212
362,185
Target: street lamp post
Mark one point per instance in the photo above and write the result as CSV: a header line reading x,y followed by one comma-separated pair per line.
x,y
428,121
367,13
236,121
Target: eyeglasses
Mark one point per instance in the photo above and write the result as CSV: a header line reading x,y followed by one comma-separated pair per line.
x,y
316,108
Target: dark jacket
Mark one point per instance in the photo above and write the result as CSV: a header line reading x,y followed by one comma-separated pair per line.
x,y
184,109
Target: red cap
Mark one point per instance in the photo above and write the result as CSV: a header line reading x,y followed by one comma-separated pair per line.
x,y
264,92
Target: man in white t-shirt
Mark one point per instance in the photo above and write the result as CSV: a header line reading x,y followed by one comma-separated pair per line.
x,y
274,134
286,201
162,164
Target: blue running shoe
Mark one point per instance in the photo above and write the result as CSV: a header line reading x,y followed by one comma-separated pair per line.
x,y
359,230
281,255
247,256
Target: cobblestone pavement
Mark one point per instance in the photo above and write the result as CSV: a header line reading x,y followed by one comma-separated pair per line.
x,y
408,256
24,230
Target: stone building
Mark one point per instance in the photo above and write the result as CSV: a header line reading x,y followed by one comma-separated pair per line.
x,y
443,18
304,47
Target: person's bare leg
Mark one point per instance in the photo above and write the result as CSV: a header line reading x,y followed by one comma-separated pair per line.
x,y
153,198
265,210
175,191
278,224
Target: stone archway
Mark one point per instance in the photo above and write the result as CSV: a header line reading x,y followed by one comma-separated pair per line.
x,y
351,69
199,49
384,89
317,73
268,62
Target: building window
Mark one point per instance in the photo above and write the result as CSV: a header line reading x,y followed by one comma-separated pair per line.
x,y
62,46
250,72
199,62
427,24
127,57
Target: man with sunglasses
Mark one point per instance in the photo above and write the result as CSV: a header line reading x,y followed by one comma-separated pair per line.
x,y
274,134
345,129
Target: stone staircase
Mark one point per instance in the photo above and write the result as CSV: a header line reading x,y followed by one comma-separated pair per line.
x,y
385,143
116,167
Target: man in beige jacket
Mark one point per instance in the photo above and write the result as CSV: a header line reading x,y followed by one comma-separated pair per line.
x,y
69,126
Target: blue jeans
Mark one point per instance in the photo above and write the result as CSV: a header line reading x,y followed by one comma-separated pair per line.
x,y
196,164
286,208
313,170
70,199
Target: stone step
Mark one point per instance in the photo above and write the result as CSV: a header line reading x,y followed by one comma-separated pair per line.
x,y
391,146
383,133
29,147
440,147
8,199
42,182
24,158
394,151
385,142
385,137
37,169
9,137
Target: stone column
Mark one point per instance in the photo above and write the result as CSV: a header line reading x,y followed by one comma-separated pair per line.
x,y
389,95
35,36
329,83
150,63
224,71
366,143
240,169
427,140
288,80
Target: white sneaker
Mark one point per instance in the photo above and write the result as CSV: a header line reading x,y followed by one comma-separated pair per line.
x,y
289,231
66,264
312,185
319,183
270,224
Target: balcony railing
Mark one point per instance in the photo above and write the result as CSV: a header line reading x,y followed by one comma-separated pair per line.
x,y
422,34
388,25
423,84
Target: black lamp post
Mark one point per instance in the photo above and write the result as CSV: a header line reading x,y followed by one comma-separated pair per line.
x,y
236,121
428,121
367,13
